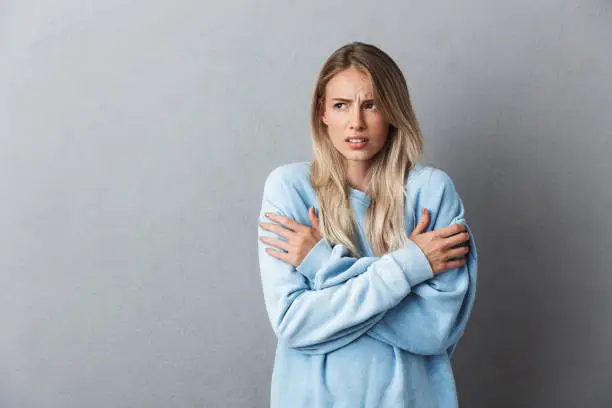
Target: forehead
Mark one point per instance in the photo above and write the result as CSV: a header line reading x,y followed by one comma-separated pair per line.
x,y
350,83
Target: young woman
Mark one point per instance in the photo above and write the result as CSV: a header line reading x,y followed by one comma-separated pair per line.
x,y
367,304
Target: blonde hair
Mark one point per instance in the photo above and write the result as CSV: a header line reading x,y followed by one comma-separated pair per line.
x,y
384,218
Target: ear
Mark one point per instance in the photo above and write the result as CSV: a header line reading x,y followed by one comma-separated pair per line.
x,y
322,109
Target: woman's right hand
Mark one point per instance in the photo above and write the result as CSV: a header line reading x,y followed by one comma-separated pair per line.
x,y
437,245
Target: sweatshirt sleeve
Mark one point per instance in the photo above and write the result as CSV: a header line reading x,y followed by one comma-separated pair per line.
x,y
432,317
319,321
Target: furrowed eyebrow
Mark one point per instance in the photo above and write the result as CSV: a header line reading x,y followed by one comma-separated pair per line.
x,y
350,100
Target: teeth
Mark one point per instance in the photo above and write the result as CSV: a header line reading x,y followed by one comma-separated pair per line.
x,y
357,140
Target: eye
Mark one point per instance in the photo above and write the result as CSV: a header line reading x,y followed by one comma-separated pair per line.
x,y
336,105
370,105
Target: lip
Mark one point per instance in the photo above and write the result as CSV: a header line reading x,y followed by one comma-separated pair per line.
x,y
357,146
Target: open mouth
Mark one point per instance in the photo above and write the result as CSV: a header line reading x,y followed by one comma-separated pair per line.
x,y
356,142
356,139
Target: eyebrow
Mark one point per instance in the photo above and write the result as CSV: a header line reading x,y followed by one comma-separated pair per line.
x,y
350,100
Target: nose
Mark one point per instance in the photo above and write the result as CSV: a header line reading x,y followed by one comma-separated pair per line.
x,y
356,119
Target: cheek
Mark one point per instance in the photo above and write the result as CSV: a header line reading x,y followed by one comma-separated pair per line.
x,y
335,120
378,126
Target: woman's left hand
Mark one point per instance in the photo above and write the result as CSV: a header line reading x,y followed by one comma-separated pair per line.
x,y
300,238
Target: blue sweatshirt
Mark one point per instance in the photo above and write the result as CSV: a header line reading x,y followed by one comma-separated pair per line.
x,y
369,332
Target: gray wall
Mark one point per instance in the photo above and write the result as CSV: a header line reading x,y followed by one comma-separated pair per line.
x,y
135,137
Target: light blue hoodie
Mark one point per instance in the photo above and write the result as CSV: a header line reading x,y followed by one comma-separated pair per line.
x,y
369,332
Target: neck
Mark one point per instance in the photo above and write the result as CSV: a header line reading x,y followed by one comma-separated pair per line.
x,y
357,174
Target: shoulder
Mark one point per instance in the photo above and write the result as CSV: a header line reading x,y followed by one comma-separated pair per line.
x,y
294,176
439,180
428,179
440,196
421,177
427,176
289,173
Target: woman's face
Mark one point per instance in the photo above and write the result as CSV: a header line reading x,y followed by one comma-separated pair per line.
x,y
350,112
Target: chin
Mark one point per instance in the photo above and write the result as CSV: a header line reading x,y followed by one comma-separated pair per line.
x,y
358,156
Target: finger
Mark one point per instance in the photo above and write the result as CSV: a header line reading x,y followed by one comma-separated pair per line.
x,y
450,230
311,216
456,264
277,229
457,239
456,253
279,243
423,222
314,219
278,254
287,221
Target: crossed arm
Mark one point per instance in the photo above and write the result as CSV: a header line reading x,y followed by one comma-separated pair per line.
x,y
331,299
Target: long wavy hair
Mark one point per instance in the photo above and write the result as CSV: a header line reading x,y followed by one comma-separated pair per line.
x,y
384,218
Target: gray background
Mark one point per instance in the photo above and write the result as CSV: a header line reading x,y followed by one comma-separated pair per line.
x,y
135,140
